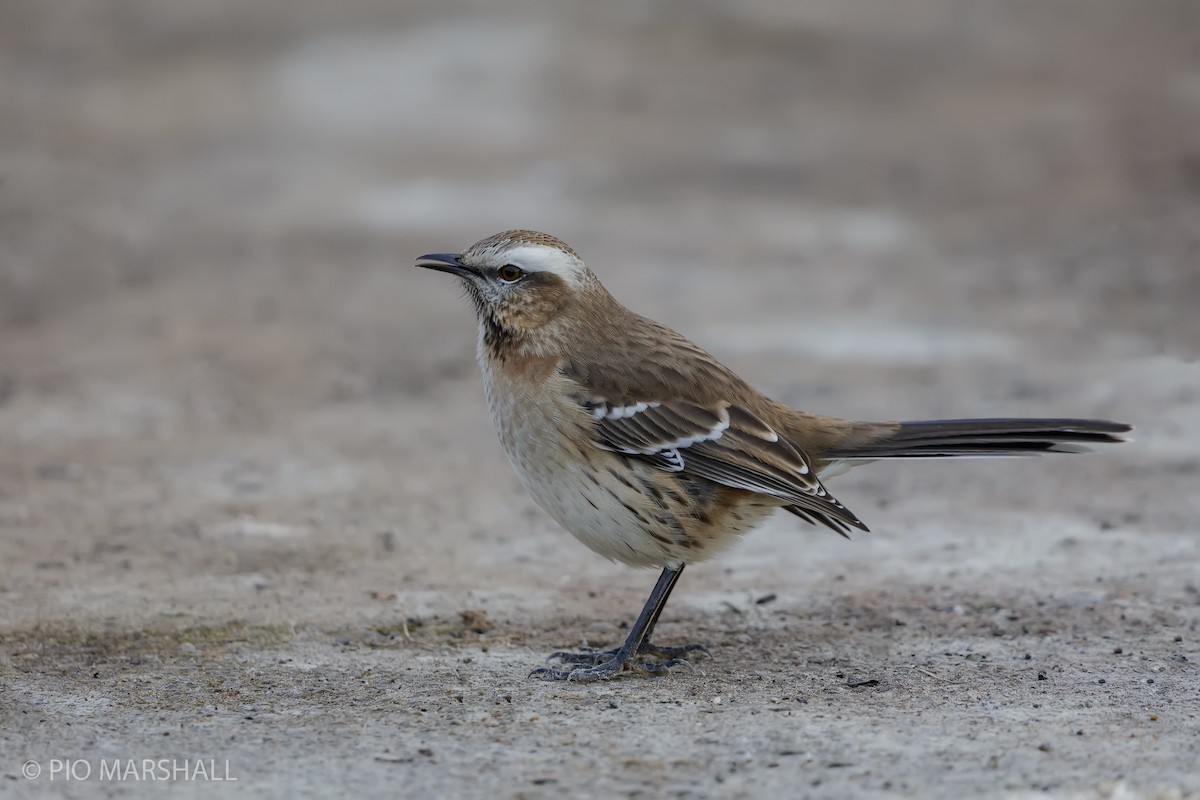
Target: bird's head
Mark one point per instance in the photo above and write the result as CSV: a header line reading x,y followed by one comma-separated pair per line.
x,y
520,281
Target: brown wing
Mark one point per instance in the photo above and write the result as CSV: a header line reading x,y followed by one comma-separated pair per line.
x,y
723,443
658,397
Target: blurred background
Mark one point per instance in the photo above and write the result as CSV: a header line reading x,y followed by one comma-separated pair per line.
x,y
1001,158
225,394
209,323
208,213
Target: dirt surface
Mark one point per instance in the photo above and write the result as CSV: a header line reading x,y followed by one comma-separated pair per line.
x,y
252,511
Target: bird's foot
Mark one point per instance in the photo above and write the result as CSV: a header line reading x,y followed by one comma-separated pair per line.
x,y
596,665
587,671
597,657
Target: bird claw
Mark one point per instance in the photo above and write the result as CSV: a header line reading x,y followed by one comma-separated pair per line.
x,y
595,665
597,657
681,653
587,656
586,674
606,670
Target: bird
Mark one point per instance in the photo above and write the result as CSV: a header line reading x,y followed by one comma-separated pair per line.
x,y
653,453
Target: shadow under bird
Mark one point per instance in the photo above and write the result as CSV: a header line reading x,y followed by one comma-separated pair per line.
x,y
649,450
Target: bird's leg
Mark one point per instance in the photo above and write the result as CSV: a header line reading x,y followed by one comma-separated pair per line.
x,y
643,646
599,664
646,648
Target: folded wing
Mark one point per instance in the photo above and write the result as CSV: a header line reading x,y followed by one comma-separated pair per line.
x,y
723,443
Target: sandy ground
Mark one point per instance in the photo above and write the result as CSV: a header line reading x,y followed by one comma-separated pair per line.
x,y
252,512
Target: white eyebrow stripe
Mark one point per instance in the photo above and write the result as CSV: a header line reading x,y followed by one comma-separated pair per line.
x,y
542,258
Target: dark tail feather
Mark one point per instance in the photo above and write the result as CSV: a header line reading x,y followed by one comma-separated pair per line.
x,y
814,517
947,438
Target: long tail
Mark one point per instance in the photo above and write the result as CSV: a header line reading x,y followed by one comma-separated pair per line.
x,y
949,438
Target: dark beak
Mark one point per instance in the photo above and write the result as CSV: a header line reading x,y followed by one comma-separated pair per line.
x,y
447,262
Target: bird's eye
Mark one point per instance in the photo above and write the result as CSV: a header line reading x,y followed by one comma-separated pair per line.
x,y
511,273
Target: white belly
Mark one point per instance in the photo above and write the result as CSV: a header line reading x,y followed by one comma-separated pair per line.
x,y
568,476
